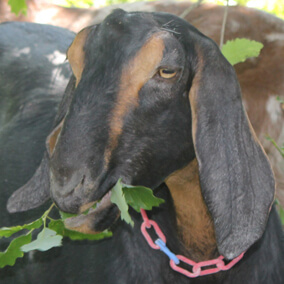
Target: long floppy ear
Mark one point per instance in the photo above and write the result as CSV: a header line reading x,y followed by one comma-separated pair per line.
x,y
37,190
76,53
236,179
34,193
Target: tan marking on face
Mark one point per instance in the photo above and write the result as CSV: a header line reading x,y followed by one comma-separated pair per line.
x,y
83,228
137,72
85,207
52,138
195,224
193,94
84,223
81,223
76,54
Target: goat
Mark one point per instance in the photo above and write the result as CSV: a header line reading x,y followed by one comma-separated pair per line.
x,y
33,76
260,78
163,111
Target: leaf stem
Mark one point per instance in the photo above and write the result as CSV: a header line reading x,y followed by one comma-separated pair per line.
x,y
224,25
275,145
190,8
46,213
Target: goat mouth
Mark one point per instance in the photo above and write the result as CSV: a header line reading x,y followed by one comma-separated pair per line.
x,y
99,213
95,217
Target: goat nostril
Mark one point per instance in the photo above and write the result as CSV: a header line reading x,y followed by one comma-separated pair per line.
x,y
80,184
83,180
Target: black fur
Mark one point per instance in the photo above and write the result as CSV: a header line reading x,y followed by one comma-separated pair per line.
x,y
156,140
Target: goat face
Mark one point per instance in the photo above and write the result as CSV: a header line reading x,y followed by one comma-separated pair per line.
x,y
150,94
129,116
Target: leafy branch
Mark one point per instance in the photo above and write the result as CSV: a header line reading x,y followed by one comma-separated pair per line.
x,y
280,149
45,239
136,196
53,231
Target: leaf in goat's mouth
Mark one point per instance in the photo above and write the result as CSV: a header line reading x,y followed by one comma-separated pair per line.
x,y
138,197
53,230
123,196
97,204
118,198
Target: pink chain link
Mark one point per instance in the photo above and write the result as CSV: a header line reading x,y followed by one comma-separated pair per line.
x,y
196,266
148,224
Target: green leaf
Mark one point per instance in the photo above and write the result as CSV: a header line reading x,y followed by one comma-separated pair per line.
x,y
279,149
281,213
18,6
65,216
59,228
240,49
280,210
136,196
46,240
280,100
14,250
118,198
140,197
9,231
78,3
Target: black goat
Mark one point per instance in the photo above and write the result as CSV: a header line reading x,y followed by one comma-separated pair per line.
x,y
153,101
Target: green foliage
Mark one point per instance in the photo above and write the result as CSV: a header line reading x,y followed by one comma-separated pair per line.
x,y
45,240
54,230
18,6
279,148
281,101
280,210
239,49
77,3
118,198
112,2
242,2
9,231
238,2
275,7
140,197
59,228
136,196
65,215
281,213
14,251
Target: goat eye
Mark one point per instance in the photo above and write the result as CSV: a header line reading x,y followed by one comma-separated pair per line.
x,y
167,73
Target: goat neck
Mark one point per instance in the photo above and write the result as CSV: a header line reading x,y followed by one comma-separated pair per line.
x,y
195,225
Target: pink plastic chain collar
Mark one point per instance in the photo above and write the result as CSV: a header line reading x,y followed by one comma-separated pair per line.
x,y
175,260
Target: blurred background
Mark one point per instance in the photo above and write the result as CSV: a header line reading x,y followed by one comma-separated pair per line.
x,y
275,7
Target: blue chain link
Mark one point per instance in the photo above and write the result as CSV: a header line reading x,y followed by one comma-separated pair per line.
x,y
166,251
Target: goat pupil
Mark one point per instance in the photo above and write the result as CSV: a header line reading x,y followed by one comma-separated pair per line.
x,y
168,71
